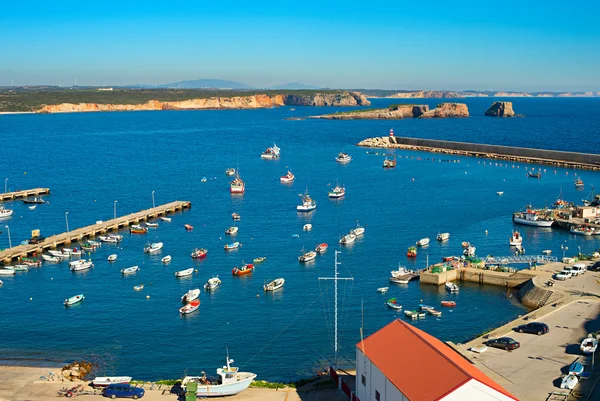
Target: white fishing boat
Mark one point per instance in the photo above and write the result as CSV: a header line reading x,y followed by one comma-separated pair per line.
x,y
167,219
50,258
130,270
106,380
271,153
72,251
190,295
343,158
308,204
307,227
95,244
443,237
81,266
516,239
113,257
358,231
231,230
230,171
230,382
451,287
469,251
581,230
17,268
74,300
383,290
184,273
151,225
212,283
399,280
337,192
7,272
5,212
532,218
434,312
569,381
321,248
347,239
307,256
274,285
111,238
423,242
166,259
289,177
236,216
547,251
154,247
58,254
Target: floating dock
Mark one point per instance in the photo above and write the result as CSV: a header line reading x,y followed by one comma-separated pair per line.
x,y
79,234
24,194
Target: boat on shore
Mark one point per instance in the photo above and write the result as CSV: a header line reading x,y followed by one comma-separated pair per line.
x,y
307,256
130,270
212,284
154,247
190,295
245,269
289,177
166,259
533,218
337,192
271,153
274,285
588,345
308,203
233,245
516,239
105,381
443,237
184,273
230,382
321,248
451,287
199,253
343,158
190,308
423,242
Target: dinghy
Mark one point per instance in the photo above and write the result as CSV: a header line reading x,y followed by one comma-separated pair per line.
x,y
423,242
166,259
274,285
138,287
167,219
112,258
84,265
234,245
152,225
186,272
392,303
130,270
383,290
451,287
190,295
74,300
212,283
260,259
154,247
7,272
189,308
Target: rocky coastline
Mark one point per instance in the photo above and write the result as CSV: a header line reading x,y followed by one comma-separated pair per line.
x,y
235,102
401,111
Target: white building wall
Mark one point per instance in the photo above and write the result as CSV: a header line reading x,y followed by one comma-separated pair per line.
x,y
376,381
475,391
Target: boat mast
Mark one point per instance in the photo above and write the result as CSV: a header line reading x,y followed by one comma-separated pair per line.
x,y
335,279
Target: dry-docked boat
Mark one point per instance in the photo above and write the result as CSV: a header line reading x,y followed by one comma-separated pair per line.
x,y
271,153
74,300
308,203
166,259
189,308
274,285
212,283
307,256
245,269
199,253
105,381
154,247
321,248
532,218
190,295
348,239
130,270
423,242
186,272
230,382
443,237
233,245
289,177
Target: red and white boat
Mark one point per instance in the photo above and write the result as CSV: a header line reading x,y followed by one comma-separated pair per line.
x,y
191,307
245,269
199,253
237,186
448,303
188,227
321,248
289,177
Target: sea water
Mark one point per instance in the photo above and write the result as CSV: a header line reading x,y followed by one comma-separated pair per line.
x,y
97,164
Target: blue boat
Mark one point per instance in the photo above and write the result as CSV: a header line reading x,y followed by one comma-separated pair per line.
x,y
576,368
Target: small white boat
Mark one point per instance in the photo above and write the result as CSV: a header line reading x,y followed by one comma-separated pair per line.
x,y
154,247
167,219
500,193
186,272
348,239
7,272
423,242
111,238
204,179
230,382
546,251
581,230
190,295
358,231
50,258
231,230
588,345
533,218
212,283
321,248
138,287
233,245
236,216
569,382
151,225
105,381
443,237
307,257
58,254
289,177
274,285
399,280
77,262
516,239
4,212
469,251
307,227
32,207
343,158
95,244
166,259
230,171
434,312
383,290
308,203
130,270
72,251
451,287
16,268
81,266
189,308
113,257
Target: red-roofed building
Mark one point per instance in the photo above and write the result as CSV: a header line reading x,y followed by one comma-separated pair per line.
x,y
400,362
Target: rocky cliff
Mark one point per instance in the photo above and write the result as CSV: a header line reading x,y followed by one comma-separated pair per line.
x,y
427,95
235,102
445,110
396,112
500,109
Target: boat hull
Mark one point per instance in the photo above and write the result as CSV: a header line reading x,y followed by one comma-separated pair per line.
x,y
225,389
535,223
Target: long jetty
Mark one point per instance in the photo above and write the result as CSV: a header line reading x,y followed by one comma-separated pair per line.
x,y
7,255
510,153
24,194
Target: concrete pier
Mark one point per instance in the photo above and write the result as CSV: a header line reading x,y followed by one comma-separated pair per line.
x,y
24,194
79,234
507,280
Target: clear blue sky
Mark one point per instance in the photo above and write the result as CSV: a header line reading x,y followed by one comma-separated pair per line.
x,y
394,44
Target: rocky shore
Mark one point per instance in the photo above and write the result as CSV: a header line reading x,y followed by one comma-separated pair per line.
x,y
401,111
235,102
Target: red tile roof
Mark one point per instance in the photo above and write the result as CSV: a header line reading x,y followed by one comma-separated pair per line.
x,y
422,367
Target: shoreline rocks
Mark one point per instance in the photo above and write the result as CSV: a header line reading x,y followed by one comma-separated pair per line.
x,y
500,109
446,110
401,111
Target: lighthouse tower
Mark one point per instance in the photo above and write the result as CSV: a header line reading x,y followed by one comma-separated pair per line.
x,y
391,132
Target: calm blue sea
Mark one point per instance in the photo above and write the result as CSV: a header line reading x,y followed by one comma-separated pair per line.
x,y
91,160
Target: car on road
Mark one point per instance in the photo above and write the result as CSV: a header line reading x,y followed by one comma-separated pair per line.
x,y
506,343
122,390
538,328
578,268
563,275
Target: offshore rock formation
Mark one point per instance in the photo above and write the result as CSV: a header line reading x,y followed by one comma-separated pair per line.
x,y
235,102
427,95
445,110
500,109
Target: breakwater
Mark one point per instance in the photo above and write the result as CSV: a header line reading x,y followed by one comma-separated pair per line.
x,y
497,152
24,194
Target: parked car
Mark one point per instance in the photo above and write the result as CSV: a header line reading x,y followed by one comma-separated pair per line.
x,y
563,275
538,328
506,343
595,267
578,268
119,390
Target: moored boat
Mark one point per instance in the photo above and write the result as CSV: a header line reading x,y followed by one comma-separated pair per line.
x,y
411,252
138,287
389,163
465,244
7,272
307,256
448,303
516,239
31,262
337,192
33,201
383,290
58,254
166,259
231,230
84,265
112,238
190,308
130,270
347,239
581,230
321,248
4,211
190,295
17,268
138,230
154,247
274,285
235,216
72,251
588,345
423,242
199,253
443,237
112,258
531,174
233,245
230,171
393,303
260,259
469,251
184,273
230,382
188,227
289,177
151,225
533,218
164,218
237,186
307,227
50,258
343,157
578,183
358,231
308,204
212,283
451,287
434,312
245,269
271,153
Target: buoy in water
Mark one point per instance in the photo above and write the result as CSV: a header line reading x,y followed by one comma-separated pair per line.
x,y
147,296
486,231
31,299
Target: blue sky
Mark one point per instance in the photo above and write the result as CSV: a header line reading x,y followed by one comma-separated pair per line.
x,y
506,45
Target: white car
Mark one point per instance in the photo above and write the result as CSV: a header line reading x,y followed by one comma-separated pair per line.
x,y
563,275
578,269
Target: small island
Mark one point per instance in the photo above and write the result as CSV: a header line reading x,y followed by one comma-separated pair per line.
x,y
401,111
500,109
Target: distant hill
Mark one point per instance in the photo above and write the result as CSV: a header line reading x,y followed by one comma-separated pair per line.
x,y
295,86
206,84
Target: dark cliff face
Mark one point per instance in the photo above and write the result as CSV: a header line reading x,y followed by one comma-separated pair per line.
x,y
327,99
500,109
